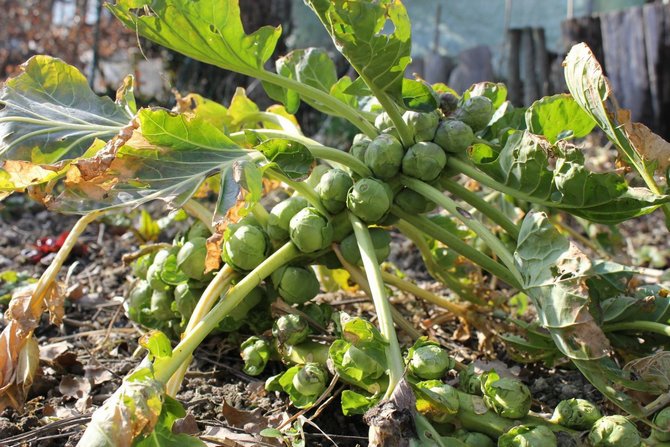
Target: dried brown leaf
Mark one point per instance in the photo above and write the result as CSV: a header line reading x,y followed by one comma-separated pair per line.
x,y
213,258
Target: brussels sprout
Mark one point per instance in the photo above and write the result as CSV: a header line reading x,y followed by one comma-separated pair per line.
x,y
476,112
448,103
437,400
454,136
310,231
198,229
341,226
142,264
528,436
191,258
155,269
320,313
360,146
370,199
384,156
296,285
185,300
333,188
245,248
310,380
381,240
383,122
280,216
424,161
614,431
412,202
255,352
316,174
236,318
579,414
290,329
469,381
139,298
429,360
424,125
662,419
474,439
506,396
161,305
357,358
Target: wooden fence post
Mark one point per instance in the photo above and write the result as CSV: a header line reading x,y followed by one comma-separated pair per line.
x,y
513,66
530,90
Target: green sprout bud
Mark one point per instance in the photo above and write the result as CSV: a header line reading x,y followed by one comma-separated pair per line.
x,y
474,439
381,240
662,419
236,318
384,156
360,146
341,226
506,396
383,122
424,161
430,362
198,229
290,329
469,381
476,112
412,202
448,103
614,431
139,298
310,380
579,414
310,231
333,188
370,200
155,269
245,248
296,285
191,258
424,125
161,305
142,264
528,436
320,313
437,400
185,300
280,216
255,352
454,136
356,359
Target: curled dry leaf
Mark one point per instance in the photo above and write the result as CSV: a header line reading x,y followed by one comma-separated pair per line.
x,y
19,351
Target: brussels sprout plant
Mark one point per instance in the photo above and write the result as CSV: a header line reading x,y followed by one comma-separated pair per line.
x,y
475,184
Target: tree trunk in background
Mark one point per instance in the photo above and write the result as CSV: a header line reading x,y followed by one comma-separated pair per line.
x,y
530,89
513,66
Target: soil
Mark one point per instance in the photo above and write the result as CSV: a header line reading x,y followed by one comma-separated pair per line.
x,y
85,358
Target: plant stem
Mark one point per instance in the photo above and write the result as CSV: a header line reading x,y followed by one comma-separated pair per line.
x,y
301,187
642,326
461,214
209,296
382,305
406,137
425,295
436,271
232,299
454,243
200,212
261,214
484,207
286,124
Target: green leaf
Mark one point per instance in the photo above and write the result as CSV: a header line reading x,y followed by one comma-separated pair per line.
x,y
162,435
206,30
293,159
158,344
554,272
49,113
167,158
418,95
356,403
357,29
555,176
558,117
496,92
240,108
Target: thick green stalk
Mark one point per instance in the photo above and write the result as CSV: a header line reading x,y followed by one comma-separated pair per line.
x,y
461,214
391,109
482,206
200,212
286,124
382,305
301,187
433,230
640,326
209,296
261,214
232,299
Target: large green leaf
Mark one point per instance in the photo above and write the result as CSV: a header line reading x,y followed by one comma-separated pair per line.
x,y
49,113
557,117
167,158
555,176
206,30
554,273
357,29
